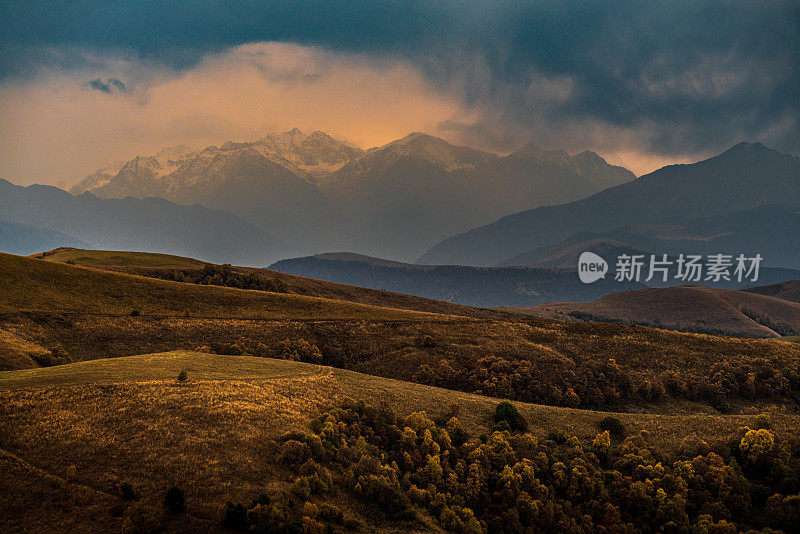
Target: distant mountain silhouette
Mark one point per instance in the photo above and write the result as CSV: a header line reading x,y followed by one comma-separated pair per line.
x,y
473,286
22,239
150,224
565,254
772,231
488,286
744,177
394,201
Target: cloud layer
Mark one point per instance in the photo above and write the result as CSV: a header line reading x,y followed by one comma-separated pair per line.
x,y
60,125
645,82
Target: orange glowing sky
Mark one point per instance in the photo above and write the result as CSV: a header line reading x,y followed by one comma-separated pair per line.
x,y
56,128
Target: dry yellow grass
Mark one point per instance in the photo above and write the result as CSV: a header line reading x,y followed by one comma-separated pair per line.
x,y
100,258
156,265
31,285
18,352
73,432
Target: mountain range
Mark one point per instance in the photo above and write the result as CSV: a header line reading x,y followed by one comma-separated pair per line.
x,y
318,193
715,196
772,231
489,286
471,286
24,239
51,216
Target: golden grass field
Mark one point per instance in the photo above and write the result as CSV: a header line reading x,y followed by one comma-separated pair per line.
x,y
101,258
88,312
73,432
148,264
31,285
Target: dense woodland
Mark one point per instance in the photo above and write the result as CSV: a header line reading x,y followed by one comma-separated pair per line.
x,y
511,481
556,381
218,275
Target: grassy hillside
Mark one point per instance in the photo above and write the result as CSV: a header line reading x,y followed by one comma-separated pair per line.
x,y
100,258
784,290
688,308
31,285
164,266
90,445
57,313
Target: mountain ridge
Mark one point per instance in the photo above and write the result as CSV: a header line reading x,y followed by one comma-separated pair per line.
x,y
393,201
729,182
149,224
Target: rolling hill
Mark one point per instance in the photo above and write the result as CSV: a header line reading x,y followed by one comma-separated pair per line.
x,y
688,308
30,285
168,267
114,432
746,176
472,286
784,290
56,313
96,445
552,277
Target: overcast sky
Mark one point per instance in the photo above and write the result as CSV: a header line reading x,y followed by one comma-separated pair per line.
x,y
645,84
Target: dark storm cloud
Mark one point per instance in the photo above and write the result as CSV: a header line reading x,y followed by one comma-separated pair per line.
x,y
112,85
674,76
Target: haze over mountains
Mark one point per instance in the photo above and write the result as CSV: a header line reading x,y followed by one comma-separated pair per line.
x,y
491,286
150,224
394,201
290,194
23,239
772,231
704,195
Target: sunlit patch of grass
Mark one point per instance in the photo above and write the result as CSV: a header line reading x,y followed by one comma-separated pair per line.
x,y
128,420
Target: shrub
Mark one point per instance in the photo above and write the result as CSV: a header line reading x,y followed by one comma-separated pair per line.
x,y
302,487
351,523
126,491
518,483
135,313
757,444
502,426
330,512
299,350
387,495
505,412
762,422
235,517
427,342
614,426
294,452
458,436
557,436
141,519
174,500
57,356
